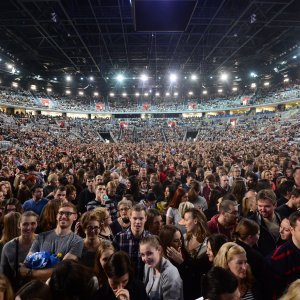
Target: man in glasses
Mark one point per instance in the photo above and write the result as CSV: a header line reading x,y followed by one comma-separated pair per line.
x,y
60,241
226,221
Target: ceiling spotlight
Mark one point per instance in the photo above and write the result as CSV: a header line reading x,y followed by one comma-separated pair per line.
x,y
68,92
68,78
146,94
295,56
96,94
9,66
81,78
120,77
220,90
55,78
137,94
253,85
167,94
252,74
176,94
194,77
191,93
204,92
33,87
157,94
80,93
15,84
124,94
224,76
173,77
286,80
91,78
267,83
111,94
49,90
234,89
144,77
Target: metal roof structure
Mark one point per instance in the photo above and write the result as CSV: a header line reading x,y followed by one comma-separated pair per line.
x,y
98,37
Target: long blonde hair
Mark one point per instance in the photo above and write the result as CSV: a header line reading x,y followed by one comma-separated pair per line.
x,y
226,254
292,292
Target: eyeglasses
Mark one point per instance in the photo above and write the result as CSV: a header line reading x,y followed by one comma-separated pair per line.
x,y
68,214
93,228
124,209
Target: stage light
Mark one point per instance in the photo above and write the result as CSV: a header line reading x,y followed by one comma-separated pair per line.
x,y
68,78
124,94
173,78
157,94
253,85
91,78
224,76
111,94
175,94
266,83
286,80
193,77
234,89
68,92
15,84
33,87
146,94
220,90
167,94
144,77
252,74
137,94
49,90
80,93
204,92
191,93
120,78
96,94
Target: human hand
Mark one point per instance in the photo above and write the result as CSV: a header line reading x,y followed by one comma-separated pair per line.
x,y
175,255
122,294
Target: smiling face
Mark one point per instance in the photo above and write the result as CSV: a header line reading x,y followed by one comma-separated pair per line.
x,y
238,266
150,255
28,225
92,229
65,217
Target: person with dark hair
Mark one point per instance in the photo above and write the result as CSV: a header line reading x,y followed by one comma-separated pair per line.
x,y
121,283
87,194
263,184
284,191
293,204
226,220
37,202
129,239
285,261
189,179
154,221
221,284
214,243
296,176
161,278
72,281
34,289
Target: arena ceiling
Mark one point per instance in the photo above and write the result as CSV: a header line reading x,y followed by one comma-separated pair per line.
x,y
99,37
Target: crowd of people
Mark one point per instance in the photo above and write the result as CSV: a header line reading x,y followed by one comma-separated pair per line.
x,y
86,103
151,216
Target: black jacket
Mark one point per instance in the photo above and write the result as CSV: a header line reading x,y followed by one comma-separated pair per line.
x,y
267,242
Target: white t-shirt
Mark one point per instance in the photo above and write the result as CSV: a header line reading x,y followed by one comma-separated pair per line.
x,y
173,213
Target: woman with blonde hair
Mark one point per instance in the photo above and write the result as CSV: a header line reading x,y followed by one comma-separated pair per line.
x,y
6,291
292,292
233,257
105,231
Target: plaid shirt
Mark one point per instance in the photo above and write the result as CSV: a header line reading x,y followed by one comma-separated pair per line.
x,y
125,241
109,204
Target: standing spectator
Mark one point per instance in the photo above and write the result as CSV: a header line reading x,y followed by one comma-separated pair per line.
x,y
37,203
293,204
129,239
87,194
